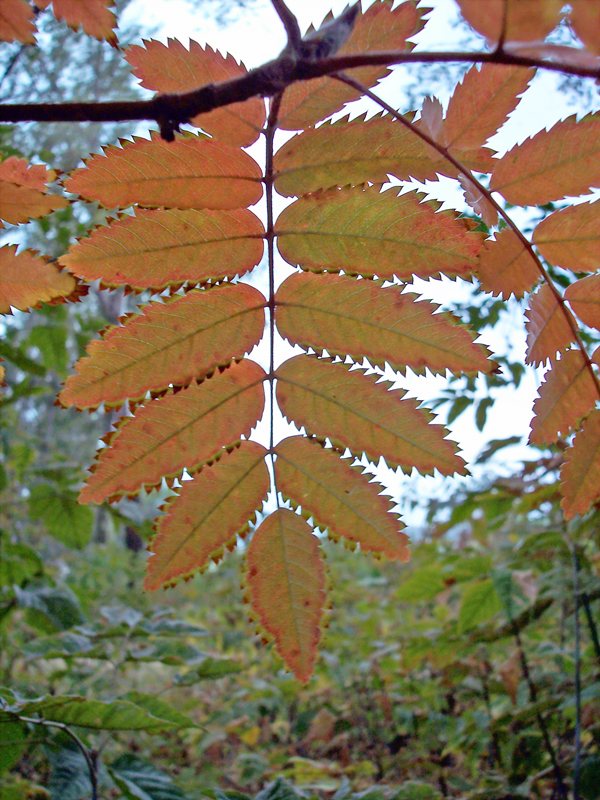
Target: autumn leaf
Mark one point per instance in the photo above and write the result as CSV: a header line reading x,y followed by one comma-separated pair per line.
x,y
506,266
361,319
94,16
286,585
550,326
172,67
570,237
339,497
523,19
170,343
584,297
580,473
160,248
23,191
191,172
16,21
354,411
181,430
562,161
566,395
585,19
367,232
207,514
27,280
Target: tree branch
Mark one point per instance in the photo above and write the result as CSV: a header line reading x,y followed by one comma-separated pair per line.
x,y
266,80
290,23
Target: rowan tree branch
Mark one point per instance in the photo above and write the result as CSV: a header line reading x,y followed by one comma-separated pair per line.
x,y
290,23
266,80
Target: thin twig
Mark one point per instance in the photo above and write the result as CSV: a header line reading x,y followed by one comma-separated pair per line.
x,y
443,151
270,237
267,80
290,23
577,658
87,755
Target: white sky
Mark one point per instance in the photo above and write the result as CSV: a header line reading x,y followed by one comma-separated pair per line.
x,y
256,35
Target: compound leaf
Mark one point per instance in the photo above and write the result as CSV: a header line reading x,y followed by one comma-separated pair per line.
x,y
191,172
562,161
354,411
286,585
170,343
580,473
207,515
181,430
364,320
368,232
570,237
339,497
172,67
567,394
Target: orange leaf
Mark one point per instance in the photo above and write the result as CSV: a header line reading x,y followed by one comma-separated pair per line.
x,y
21,203
567,394
506,267
16,21
191,172
585,19
478,107
379,28
478,201
172,67
548,329
562,161
361,319
339,497
286,582
156,249
570,238
207,515
356,412
525,19
186,429
169,343
22,173
94,16
26,280
584,297
347,153
580,473
363,231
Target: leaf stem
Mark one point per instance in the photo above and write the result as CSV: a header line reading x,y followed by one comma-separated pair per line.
x,y
270,238
443,151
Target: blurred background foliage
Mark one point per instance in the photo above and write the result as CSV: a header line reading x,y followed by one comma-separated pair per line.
x,y
472,672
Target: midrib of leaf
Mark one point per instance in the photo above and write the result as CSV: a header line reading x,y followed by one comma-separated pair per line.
x,y
351,412
334,313
170,246
176,343
159,442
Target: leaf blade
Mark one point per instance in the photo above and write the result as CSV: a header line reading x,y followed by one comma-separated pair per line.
x,y
584,297
26,280
286,582
195,530
580,474
571,237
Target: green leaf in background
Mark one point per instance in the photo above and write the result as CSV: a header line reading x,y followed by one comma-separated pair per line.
x,y
51,341
589,781
210,669
13,739
159,708
280,789
69,776
480,602
424,584
48,608
140,780
118,715
18,563
64,518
